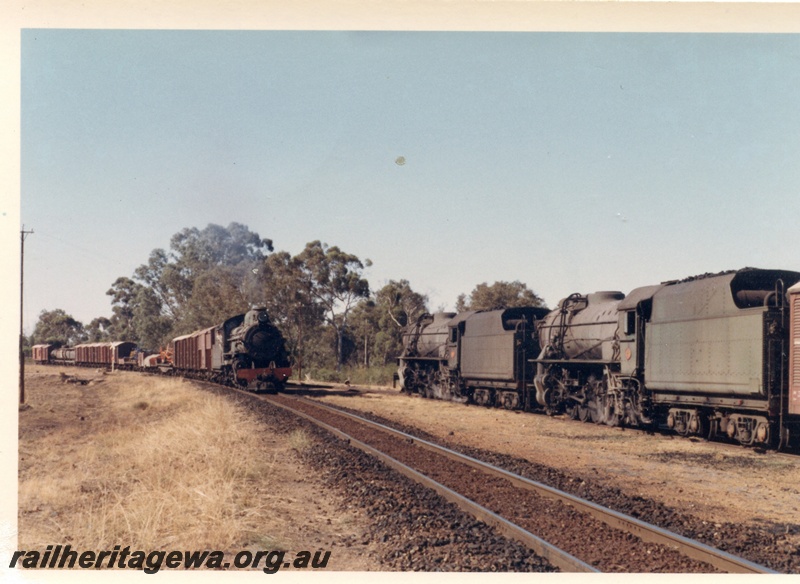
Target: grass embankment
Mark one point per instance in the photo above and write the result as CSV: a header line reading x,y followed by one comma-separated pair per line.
x,y
144,461
378,375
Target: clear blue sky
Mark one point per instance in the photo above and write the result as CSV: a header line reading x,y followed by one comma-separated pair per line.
x,y
568,161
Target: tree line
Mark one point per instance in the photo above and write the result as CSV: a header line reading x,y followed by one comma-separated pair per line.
x,y
320,299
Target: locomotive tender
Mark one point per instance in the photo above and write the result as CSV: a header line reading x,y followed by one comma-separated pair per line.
x,y
705,356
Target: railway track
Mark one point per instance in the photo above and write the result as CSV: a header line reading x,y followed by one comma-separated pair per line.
x,y
789,454
650,559
572,533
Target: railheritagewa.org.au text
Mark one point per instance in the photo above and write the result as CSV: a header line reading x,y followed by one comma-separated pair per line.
x,y
150,562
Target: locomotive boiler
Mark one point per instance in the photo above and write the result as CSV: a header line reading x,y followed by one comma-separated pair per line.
x,y
255,349
581,331
706,356
423,364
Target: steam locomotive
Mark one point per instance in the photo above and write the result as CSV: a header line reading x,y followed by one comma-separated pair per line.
x,y
706,356
246,350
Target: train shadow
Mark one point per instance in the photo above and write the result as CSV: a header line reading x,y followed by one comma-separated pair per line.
x,y
321,391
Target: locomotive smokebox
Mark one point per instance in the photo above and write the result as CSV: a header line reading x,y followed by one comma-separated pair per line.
x,y
258,338
260,342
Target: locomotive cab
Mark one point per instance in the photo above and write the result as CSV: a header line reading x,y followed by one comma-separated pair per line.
x,y
452,352
634,312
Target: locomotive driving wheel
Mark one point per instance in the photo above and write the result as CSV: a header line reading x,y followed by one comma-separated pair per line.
x,y
596,411
240,362
571,410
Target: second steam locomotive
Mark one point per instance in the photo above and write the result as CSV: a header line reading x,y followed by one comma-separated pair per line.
x,y
705,356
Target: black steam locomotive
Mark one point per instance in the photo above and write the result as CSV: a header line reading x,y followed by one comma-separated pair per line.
x,y
246,350
705,356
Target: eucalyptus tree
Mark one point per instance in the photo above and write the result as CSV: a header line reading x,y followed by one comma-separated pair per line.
x,y
153,327
397,306
123,294
98,329
499,295
206,272
58,327
335,282
290,303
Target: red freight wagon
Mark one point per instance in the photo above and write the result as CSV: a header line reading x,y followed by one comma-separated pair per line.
x,y
794,349
41,353
93,354
193,351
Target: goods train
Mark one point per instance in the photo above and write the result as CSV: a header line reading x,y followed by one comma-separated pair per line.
x,y
246,350
713,355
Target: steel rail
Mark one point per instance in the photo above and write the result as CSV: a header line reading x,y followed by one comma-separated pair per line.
x,y
554,555
646,531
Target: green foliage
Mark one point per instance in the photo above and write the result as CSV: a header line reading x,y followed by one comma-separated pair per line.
x,y
218,246
334,280
98,330
123,294
335,329
207,276
289,301
498,295
377,324
217,294
184,279
153,327
59,328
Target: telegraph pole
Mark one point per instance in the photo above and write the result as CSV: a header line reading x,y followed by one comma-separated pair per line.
x,y
22,235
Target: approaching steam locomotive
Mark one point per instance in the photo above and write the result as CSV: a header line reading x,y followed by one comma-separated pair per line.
x,y
246,350
704,356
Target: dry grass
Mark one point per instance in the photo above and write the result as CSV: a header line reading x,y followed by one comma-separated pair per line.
x,y
299,440
149,462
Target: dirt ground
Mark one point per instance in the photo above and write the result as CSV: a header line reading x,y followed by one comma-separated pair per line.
x,y
62,425
716,484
